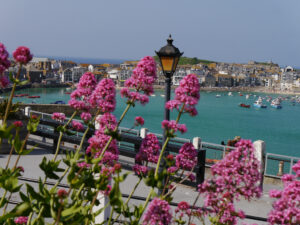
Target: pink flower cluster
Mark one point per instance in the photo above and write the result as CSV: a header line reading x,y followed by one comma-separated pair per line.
x,y
149,150
187,93
85,116
4,62
139,121
142,80
143,76
58,116
84,165
107,122
236,176
77,126
158,213
174,126
182,209
187,157
22,55
80,97
3,81
104,96
61,193
18,124
21,220
286,210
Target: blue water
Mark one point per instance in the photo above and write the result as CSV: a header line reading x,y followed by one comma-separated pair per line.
x,y
218,119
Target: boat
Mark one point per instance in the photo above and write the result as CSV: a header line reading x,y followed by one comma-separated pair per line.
x,y
218,96
153,95
34,96
162,95
21,95
230,93
58,102
259,104
247,96
244,105
241,94
276,103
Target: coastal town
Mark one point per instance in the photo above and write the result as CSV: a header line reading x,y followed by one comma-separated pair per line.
x,y
268,76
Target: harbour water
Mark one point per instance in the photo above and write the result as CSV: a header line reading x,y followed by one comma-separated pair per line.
x,y
218,119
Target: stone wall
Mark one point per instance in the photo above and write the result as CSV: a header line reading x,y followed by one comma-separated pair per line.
x,y
50,108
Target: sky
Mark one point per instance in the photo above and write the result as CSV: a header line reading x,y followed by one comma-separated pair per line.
x,y
219,30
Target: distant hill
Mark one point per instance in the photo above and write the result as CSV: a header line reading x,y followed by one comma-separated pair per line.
x,y
190,61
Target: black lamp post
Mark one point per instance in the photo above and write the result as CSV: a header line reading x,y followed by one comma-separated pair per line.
x,y
169,57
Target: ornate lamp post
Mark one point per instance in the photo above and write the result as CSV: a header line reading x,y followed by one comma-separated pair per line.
x,y
169,57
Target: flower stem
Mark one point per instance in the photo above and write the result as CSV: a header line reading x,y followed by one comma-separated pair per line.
x,y
111,138
11,95
61,134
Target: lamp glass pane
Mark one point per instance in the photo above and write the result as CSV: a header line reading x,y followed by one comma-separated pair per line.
x,y
167,63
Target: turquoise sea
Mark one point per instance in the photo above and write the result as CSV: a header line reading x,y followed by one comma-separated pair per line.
x,y
218,119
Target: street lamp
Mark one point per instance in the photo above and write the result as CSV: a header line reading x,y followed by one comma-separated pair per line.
x,y
169,57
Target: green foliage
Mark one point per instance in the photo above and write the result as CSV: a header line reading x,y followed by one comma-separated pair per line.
x,y
14,108
189,61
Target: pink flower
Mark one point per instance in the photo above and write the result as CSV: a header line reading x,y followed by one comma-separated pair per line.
x,y
140,170
4,62
104,96
3,81
139,120
149,150
172,169
85,116
83,165
21,220
107,190
61,193
22,55
158,212
173,126
21,168
18,124
77,126
58,116
80,97
187,93
141,80
236,176
187,157
286,209
107,122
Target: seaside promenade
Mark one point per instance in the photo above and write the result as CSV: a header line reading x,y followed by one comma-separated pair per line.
x,y
257,208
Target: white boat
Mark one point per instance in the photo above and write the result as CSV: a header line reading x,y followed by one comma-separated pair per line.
x,y
259,103
230,93
153,95
247,96
218,96
162,95
276,103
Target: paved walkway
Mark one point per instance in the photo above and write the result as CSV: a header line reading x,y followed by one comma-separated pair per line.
x,y
259,207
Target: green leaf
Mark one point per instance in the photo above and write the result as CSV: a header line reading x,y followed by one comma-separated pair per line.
x,y
24,197
34,194
24,82
72,210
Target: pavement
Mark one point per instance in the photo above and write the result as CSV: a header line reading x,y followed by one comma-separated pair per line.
x,y
259,207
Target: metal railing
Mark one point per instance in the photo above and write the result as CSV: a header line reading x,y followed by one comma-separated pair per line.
x,y
276,165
